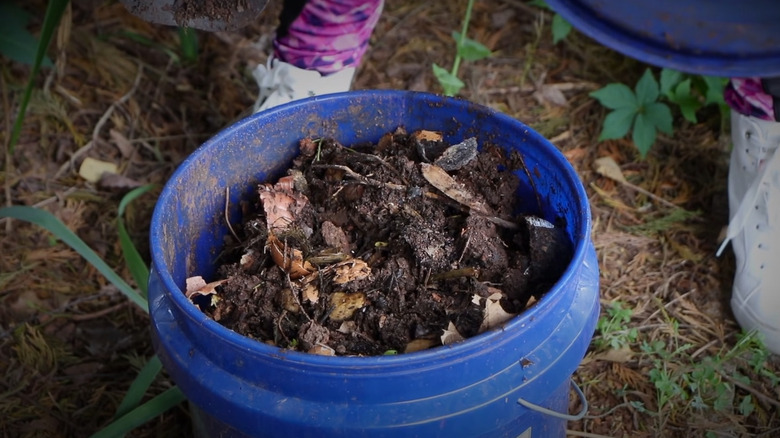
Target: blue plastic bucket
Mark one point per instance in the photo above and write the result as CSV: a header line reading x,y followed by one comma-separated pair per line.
x,y
710,37
504,383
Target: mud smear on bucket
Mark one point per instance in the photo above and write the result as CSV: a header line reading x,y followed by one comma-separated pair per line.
x,y
397,247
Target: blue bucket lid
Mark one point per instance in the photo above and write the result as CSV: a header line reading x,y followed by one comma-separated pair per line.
x,y
710,37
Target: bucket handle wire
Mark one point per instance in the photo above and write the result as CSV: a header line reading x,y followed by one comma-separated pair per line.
x,y
576,417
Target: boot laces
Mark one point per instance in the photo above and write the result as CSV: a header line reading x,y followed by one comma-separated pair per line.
x,y
765,188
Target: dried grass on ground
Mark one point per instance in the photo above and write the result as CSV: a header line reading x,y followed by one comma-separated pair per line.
x,y
70,344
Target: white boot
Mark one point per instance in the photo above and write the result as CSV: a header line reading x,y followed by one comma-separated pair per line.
x,y
754,228
281,82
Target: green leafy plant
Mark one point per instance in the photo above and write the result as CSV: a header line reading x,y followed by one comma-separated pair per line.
x,y
466,49
131,413
188,44
16,42
54,11
642,110
613,327
560,27
637,110
709,383
691,92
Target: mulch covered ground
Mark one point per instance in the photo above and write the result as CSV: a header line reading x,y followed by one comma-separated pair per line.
x,y
120,91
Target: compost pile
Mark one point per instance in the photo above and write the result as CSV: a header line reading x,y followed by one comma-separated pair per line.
x,y
390,248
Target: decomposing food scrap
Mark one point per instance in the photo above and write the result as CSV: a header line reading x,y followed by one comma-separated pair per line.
x,y
401,246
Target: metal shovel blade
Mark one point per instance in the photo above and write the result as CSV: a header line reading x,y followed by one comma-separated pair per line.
x,y
209,15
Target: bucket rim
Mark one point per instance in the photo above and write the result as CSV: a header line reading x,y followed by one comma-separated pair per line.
x,y
468,347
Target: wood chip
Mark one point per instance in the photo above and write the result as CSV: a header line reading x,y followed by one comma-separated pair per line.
x,y
454,190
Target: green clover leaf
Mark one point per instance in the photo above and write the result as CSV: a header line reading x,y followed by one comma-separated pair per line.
x,y
616,96
470,50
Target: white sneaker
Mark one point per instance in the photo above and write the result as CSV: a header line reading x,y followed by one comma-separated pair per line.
x,y
281,82
754,228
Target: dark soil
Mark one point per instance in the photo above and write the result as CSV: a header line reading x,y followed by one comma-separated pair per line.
x,y
373,250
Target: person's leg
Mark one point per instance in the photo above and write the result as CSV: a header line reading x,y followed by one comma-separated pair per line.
x,y
754,205
318,46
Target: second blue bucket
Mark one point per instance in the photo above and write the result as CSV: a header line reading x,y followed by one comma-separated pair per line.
x,y
510,382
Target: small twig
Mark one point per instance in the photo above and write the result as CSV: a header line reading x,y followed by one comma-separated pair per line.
x,y
227,218
531,181
456,273
378,159
47,201
8,158
294,293
747,388
99,313
363,179
465,246
99,125
381,184
648,194
279,326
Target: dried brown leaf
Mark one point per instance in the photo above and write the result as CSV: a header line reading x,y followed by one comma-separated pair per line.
x,y
427,135
310,292
289,259
116,182
196,285
122,143
606,166
419,345
345,304
351,270
281,203
335,237
494,314
440,179
451,334
322,350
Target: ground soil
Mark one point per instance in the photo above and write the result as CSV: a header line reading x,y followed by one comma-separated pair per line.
x,y
372,254
120,91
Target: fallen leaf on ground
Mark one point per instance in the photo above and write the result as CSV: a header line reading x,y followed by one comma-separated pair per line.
x,y
122,143
550,94
606,166
116,182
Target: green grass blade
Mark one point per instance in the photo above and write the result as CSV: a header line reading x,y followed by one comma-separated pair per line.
x,y
135,263
48,221
140,415
54,12
188,44
16,42
139,387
